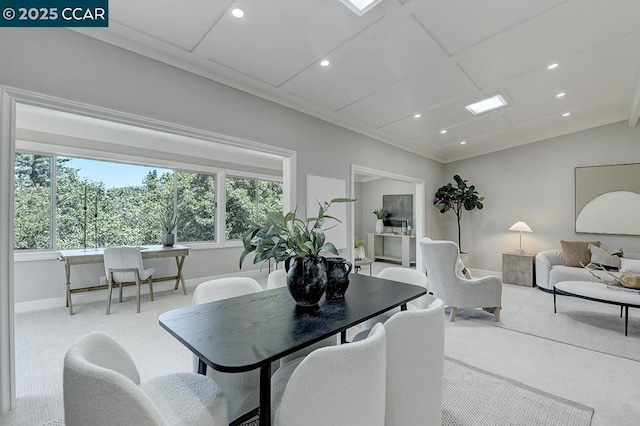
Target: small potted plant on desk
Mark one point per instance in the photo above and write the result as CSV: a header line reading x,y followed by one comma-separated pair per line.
x,y
381,214
168,224
297,242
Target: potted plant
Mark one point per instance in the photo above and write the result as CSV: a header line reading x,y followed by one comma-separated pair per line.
x,y
168,224
458,197
381,214
297,242
359,246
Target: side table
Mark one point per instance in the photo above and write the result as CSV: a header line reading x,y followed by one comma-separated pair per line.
x,y
518,269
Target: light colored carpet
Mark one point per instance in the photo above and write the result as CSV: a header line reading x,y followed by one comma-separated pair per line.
x,y
583,323
477,397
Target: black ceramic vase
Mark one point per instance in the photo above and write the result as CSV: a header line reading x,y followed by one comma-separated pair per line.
x,y
338,270
306,279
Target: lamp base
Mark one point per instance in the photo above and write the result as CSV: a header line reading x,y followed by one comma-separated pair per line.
x,y
519,251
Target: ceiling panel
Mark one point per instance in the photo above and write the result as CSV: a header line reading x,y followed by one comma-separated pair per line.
x,y
549,37
458,24
490,123
419,92
376,58
277,40
182,24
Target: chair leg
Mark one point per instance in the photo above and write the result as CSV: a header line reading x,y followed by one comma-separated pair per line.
x,y
138,293
121,292
454,312
496,314
151,288
109,297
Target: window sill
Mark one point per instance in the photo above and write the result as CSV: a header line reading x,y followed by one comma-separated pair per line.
x,y
41,255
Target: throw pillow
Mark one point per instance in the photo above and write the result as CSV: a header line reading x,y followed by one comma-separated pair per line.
x,y
577,252
630,265
608,260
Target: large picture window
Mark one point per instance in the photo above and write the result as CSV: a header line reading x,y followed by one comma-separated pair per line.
x,y
197,206
249,200
32,201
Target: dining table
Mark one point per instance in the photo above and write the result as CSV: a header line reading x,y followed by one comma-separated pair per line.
x,y
250,332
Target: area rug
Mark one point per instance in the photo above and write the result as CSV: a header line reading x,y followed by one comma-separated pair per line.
x,y
476,397
578,322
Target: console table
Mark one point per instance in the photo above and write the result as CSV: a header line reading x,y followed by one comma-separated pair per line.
x,y
406,248
88,256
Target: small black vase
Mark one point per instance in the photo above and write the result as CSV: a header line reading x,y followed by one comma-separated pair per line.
x,y
306,279
338,270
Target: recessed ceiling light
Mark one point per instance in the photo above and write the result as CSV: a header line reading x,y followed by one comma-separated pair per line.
x,y
560,95
442,132
485,105
566,114
553,66
463,142
360,7
324,63
418,115
237,13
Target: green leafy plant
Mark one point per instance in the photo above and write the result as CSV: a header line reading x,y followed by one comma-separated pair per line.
x,y
168,221
381,213
284,235
458,197
358,243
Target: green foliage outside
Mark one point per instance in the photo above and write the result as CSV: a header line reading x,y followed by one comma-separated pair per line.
x,y
129,214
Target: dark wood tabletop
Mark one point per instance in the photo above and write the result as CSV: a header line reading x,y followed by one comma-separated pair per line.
x,y
247,332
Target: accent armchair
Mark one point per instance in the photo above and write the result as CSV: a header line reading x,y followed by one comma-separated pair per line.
x,y
439,258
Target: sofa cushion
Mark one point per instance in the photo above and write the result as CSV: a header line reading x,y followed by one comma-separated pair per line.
x,y
609,260
568,273
630,265
577,252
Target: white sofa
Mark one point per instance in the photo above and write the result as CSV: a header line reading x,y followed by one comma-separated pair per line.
x,y
550,270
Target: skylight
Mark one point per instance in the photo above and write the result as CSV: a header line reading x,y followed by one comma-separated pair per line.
x,y
488,104
360,7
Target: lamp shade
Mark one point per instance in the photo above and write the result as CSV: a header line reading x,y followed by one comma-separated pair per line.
x,y
520,226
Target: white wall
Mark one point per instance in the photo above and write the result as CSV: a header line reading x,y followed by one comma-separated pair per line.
x,y
535,183
70,66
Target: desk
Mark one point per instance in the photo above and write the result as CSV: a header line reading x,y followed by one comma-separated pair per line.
x,y
249,332
406,248
88,256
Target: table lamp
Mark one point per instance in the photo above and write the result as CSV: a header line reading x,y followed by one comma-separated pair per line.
x,y
522,227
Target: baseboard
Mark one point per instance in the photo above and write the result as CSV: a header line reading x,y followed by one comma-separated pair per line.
x,y
95,296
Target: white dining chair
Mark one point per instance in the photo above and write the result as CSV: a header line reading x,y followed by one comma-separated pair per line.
x,y
277,278
415,366
337,385
240,389
101,387
124,264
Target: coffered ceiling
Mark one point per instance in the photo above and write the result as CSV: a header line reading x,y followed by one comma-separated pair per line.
x,y
408,57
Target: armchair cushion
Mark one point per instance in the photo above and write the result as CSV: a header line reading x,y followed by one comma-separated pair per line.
x,y
577,252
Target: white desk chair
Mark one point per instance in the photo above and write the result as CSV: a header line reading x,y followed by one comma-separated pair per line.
x,y
277,278
240,389
337,385
124,264
101,387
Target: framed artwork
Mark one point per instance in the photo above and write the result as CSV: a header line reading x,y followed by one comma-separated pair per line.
x,y
607,199
400,208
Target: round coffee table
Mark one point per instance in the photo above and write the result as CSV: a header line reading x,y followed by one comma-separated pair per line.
x,y
359,263
598,292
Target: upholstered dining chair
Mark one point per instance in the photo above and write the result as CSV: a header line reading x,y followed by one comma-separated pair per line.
x,y
337,385
415,366
404,275
101,387
439,258
124,264
277,278
240,389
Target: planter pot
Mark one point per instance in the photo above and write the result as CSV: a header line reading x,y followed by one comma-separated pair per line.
x,y
306,279
168,239
338,270
379,226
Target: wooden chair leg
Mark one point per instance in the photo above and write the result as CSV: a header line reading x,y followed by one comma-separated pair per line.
x,y
454,312
109,297
151,288
138,294
496,314
121,292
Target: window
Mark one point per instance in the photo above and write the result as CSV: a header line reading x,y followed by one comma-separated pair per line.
x,y
196,206
32,201
249,200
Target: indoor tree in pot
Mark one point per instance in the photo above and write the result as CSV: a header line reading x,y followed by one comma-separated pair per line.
x,y
458,197
168,224
297,242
